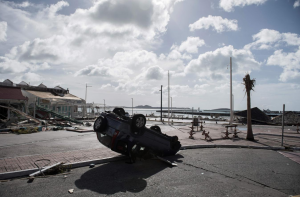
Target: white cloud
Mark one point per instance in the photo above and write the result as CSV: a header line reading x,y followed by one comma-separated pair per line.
x,y
290,62
24,4
272,39
106,86
11,66
3,29
29,77
174,55
297,3
122,66
52,10
191,45
218,24
268,39
154,73
228,5
73,40
213,64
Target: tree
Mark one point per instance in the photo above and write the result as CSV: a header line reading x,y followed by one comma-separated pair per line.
x,y
249,85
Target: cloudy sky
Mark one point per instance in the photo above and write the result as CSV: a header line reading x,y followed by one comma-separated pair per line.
x,y
124,49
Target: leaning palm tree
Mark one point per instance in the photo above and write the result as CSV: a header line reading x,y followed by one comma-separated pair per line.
x,y
249,84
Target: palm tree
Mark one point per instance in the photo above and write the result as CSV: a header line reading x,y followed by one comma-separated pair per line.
x,y
249,84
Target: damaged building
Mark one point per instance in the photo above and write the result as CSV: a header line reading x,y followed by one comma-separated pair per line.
x,y
39,101
257,116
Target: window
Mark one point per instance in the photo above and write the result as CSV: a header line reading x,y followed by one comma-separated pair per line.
x,y
104,139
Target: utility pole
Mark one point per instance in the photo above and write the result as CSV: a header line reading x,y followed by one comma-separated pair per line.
x,y
231,112
86,86
168,97
171,108
161,103
131,106
104,105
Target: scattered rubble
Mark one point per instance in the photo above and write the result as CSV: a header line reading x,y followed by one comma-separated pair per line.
x,y
22,123
290,118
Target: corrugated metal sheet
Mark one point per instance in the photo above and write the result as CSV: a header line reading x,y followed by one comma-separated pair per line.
x,y
11,93
49,95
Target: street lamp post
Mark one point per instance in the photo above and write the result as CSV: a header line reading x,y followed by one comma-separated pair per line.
x,y
131,106
86,86
171,108
104,104
161,103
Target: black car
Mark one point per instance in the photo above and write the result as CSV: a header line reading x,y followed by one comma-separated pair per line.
x,y
129,136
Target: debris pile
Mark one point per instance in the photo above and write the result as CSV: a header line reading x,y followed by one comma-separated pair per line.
x,y
290,118
19,122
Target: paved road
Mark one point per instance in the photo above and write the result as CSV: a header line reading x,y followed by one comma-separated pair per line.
x,y
200,172
12,145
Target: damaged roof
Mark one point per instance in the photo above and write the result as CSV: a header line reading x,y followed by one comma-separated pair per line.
x,y
256,114
49,95
11,93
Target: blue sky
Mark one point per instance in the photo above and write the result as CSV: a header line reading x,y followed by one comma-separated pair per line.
x,y
124,49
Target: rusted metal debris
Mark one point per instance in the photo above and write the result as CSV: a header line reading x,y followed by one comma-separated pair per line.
x,y
40,171
207,137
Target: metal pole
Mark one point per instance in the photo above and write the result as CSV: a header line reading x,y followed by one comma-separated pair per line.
x,y
168,98
86,86
282,124
132,107
161,103
231,115
171,108
104,104
232,108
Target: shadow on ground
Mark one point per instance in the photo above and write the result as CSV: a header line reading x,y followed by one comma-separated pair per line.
x,y
119,176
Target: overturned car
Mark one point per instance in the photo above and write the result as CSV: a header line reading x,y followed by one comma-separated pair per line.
x,y
129,136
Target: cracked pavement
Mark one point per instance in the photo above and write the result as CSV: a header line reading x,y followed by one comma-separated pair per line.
x,y
200,172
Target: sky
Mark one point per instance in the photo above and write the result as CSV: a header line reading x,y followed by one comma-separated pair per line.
x,y
124,49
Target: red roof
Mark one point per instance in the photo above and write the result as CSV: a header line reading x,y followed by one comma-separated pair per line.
x,y
12,93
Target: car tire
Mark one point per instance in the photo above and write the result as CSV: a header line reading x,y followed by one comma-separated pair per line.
x,y
138,122
100,124
174,139
119,111
156,129
176,145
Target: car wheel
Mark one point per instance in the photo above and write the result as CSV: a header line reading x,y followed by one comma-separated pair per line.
x,y
119,111
138,122
100,124
174,139
156,128
176,145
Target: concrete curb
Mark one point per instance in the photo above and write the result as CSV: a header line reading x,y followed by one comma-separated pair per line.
x,y
21,173
233,146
